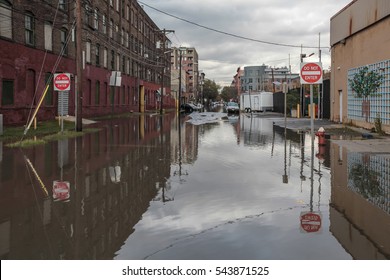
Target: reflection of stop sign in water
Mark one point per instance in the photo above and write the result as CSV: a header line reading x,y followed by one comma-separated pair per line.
x,y
61,190
310,222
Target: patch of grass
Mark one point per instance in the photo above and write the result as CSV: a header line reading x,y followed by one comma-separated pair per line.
x,y
342,131
15,133
45,131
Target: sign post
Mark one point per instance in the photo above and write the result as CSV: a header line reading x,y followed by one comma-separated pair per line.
x,y
311,73
62,84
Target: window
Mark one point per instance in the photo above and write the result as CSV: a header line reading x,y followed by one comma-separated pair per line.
x,y
88,51
29,26
64,42
97,54
97,93
117,5
112,60
122,36
104,22
123,95
111,27
127,12
62,4
96,19
105,57
123,64
118,61
111,3
5,19
7,98
127,40
49,93
48,29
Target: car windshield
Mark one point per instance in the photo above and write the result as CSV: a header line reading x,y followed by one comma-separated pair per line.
x,y
232,104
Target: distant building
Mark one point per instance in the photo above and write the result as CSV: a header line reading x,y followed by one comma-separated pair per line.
x,y
190,73
359,36
236,83
264,78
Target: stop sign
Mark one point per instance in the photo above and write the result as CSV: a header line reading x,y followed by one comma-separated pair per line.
x,y
62,82
310,221
311,73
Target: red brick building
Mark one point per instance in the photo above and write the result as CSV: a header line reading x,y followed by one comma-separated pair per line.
x,y
37,39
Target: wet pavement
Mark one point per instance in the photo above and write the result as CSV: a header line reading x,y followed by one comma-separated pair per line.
x,y
205,186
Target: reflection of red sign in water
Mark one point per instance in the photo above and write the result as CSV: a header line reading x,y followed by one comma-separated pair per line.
x,y
310,222
61,190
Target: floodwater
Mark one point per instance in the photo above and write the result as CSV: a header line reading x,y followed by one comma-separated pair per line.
x,y
205,187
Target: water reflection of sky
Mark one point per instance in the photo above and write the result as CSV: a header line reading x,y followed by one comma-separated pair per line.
x,y
233,204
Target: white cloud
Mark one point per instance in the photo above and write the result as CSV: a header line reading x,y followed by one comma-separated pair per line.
x,y
302,22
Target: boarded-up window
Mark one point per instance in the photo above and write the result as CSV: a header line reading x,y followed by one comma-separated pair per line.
x,y
5,19
7,97
48,36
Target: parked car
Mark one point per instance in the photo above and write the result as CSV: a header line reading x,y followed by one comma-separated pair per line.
x,y
232,108
189,107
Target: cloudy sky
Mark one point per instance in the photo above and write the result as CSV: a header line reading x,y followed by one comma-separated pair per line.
x,y
229,34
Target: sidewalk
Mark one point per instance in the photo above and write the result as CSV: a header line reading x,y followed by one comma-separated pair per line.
x,y
357,143
73,119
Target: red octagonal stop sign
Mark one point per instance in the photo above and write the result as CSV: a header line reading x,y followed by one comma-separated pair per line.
x,y
62,82
311,73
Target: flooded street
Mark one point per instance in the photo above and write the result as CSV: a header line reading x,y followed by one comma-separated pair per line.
x,y
207,187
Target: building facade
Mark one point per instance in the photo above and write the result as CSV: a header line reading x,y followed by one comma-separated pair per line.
x,y
236,83
360,37
185,59
37,39
264,78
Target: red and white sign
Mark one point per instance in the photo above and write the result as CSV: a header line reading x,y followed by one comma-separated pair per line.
x,y
310,221
61,190
311,73
62,82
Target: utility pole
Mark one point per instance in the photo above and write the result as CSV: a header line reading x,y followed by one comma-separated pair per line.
x,y
180,60
320,86
79,88
273,80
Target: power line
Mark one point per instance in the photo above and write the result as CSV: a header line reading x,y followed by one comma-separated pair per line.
x,y
227,33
